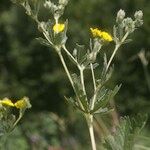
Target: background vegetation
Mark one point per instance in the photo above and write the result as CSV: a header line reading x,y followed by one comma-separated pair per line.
x,y
29,69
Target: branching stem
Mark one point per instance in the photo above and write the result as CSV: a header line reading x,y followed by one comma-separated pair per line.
x,y
66,69
69,77
70,55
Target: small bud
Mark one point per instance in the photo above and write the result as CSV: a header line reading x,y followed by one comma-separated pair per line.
x,y
138,23
129,24
63,2
120,15
138,15
51,6
128,21
47,4
23,103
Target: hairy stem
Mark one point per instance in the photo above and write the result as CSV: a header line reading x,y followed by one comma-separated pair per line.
x,y
66,70
116,49
82,79
70,55
94,83
70,78
91,131
93,76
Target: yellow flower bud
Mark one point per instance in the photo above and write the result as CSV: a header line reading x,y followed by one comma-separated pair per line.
x,y
23,103
7,102
96,32
101,34
106,36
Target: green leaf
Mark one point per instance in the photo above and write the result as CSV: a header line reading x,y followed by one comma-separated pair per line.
x,y
80,53
126,133
73,103
43,42
80,92
105,98
127,41
105,76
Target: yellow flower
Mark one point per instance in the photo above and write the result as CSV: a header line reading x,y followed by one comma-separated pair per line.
x,y
101,34
57,28
106,36
96,32
23,103
7,102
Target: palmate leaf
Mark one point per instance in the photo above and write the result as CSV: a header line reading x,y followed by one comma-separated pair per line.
x,y
105,75
126,133
73,103
105,98
43,42
80,53
80,93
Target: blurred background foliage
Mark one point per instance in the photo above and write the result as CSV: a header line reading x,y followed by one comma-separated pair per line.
x,y
29,69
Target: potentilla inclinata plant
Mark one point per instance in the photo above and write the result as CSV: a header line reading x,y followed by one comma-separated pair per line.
x,y
84,58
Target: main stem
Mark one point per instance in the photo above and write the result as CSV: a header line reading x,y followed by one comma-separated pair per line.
x,y
91,131
89,117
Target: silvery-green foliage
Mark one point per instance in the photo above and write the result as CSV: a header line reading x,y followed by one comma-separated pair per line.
x,y
125,136
32,7
6,120
103,96
57,10
95,47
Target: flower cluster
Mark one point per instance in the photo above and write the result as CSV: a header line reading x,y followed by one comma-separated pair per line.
x,y
20,104
101,34
128,24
